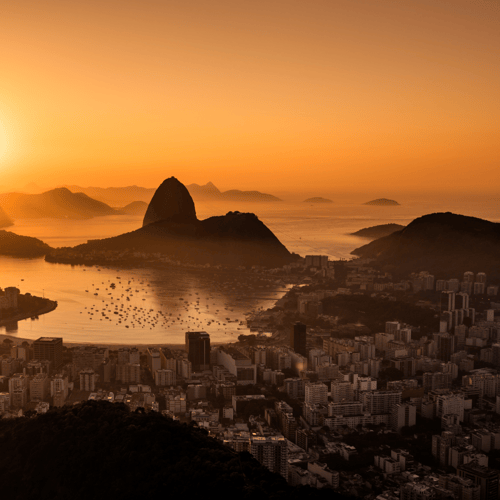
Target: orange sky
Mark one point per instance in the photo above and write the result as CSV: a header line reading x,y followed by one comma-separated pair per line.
x,y
270,95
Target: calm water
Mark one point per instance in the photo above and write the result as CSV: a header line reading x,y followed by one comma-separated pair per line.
x,y
159,306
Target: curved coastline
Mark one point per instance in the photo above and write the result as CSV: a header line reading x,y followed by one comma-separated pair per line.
x,y
49,307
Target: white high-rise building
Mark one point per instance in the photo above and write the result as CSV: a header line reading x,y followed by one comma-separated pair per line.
x,y
462,300
379,402
481,278
447,404
272,452
403,415
469,276
4,402
39,387
392,327
154,359
316,393
342,391
87,380
405,335
165,377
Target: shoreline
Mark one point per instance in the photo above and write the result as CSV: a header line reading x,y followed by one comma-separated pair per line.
x,y
288,282
51,306
111,346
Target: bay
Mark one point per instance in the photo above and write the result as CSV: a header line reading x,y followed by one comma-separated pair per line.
x,y
156,306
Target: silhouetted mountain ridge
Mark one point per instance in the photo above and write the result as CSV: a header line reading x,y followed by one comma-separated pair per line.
x,y
445,244
171,228
118,196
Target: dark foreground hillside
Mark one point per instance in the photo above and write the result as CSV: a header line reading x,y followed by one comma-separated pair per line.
x,y
100,450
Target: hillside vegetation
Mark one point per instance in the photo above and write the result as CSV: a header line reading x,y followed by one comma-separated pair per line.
x,y
99,450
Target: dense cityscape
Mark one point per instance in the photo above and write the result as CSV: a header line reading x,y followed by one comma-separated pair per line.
x,y
250,250
401,409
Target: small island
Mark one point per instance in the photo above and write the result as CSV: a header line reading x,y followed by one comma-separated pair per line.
x,y
318,199
379,231
382,202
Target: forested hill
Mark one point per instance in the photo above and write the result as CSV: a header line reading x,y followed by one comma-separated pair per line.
x,y
444,244
99,450
21,246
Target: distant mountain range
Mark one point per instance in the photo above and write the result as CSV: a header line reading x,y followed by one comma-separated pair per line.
x,y
75,202
119,196
171,227
444,244
58,203
379,231
5,220
382,202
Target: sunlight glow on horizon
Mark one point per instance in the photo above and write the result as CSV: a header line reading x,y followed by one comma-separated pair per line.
x,y
4,144
269,96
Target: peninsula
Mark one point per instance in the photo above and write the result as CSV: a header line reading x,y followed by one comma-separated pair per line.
x,y
16,307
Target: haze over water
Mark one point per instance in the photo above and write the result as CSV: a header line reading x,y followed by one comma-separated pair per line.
x,y
179,295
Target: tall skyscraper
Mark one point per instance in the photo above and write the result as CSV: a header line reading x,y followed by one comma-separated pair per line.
x,y
462,300
272,452
447,300
446,346
49,348
298,339
403,415
392,327
481,278
316,393
469,276
453,285
87,380
198,349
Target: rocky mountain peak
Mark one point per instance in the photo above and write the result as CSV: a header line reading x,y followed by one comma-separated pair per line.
x,y
171,202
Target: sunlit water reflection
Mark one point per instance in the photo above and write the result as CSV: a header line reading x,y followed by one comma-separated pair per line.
x,y
159,306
